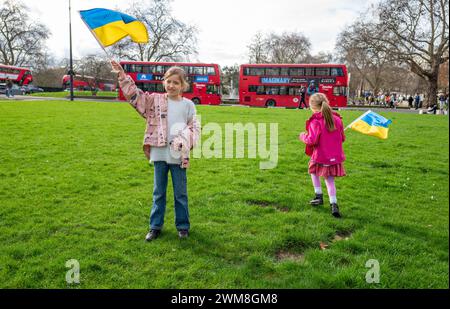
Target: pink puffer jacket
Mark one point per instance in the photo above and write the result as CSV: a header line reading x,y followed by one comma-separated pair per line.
x,y
323,146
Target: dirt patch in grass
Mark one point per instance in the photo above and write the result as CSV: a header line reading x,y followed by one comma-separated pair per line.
x,y
284,255
267,204
342,235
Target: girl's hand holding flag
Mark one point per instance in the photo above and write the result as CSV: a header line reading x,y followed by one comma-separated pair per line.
x,y
116,67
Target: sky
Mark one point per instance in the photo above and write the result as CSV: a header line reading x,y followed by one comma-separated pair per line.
x,y
226,27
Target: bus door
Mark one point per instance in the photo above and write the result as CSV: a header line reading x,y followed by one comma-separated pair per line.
x,y
199,95
328,91
212,94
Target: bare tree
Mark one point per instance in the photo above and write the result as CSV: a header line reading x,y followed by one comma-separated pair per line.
x,y
49,77
363,56
96,67
257,50
416,32
169,38
21,39
289,47
320,57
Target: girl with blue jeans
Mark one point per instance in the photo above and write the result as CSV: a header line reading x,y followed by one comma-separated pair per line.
x,y
172,131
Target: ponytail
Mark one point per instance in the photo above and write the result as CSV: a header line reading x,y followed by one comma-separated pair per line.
x,y
328,115
320,102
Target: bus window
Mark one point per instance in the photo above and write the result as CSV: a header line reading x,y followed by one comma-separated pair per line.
x,y
273,71
260,90
210,71
340,91
146,69
212,89
322,71
160,87
256,71
283,90
296,71
273,90
293,91
309,71
284,71
159,69
197,70
252,88
337,72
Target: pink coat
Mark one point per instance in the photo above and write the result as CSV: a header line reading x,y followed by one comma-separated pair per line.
x,y
323,146
153,107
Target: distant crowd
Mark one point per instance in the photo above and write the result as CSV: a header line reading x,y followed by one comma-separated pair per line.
x,y
393,100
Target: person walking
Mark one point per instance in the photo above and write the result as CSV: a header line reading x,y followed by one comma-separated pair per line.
x,y
323,139
302,97
9,86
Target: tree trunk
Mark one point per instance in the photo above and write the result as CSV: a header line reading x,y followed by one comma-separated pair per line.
x,y
432,91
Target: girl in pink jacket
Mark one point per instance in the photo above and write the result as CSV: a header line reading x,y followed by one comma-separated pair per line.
x,y
323,139
172,131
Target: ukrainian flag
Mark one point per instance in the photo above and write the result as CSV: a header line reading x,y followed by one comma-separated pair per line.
x,y
371,123
110,26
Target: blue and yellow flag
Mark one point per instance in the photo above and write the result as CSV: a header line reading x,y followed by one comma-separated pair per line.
x,y
371,123
110,26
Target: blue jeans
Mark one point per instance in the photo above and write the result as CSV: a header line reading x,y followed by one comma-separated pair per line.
x,y
179,182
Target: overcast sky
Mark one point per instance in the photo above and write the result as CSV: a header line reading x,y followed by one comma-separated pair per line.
x,y
225,27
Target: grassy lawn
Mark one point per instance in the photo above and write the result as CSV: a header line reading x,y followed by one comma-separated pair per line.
x,y
74,184
64,94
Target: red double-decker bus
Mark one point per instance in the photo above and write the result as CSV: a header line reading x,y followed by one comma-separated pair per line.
x,y
204,79
19,76
85,82
279,85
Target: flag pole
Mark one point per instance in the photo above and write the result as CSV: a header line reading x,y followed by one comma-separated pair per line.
x,y
357,119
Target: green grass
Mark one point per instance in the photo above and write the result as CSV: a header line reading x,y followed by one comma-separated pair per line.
x,y
64,94
74,184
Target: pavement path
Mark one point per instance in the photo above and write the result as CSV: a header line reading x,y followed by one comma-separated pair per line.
x,y
351,108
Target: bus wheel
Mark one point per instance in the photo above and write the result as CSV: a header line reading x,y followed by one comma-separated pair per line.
x,y
196,101
270,103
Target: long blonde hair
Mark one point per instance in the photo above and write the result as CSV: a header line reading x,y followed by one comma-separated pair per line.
x,y
319,101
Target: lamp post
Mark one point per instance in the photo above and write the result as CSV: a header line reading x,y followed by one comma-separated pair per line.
x,y
70,53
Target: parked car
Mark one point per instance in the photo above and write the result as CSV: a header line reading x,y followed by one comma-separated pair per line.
x,y
15,90
30,88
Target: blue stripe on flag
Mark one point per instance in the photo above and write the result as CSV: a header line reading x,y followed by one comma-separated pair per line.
x,y
373,119
95,18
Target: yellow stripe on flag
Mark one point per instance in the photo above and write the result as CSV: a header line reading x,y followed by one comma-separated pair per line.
x,y
115,31
365,128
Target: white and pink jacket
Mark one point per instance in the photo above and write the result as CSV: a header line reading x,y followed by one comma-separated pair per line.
x,y
153,108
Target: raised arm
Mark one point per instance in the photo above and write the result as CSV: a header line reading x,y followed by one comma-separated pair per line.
x,y
137,98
